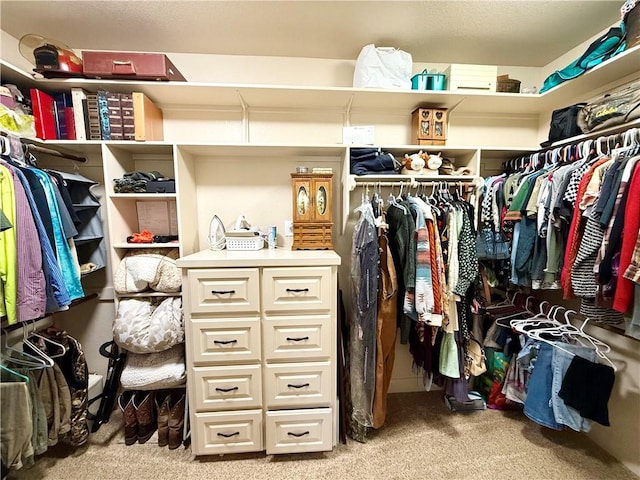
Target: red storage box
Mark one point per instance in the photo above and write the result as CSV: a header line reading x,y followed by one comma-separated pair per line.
x,y
130,66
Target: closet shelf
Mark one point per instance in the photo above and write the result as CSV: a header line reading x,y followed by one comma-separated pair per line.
x,y
372,179
148,294
131,246
314,97
143,196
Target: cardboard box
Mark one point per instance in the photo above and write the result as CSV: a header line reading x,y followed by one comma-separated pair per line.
x,y
472,77
160,217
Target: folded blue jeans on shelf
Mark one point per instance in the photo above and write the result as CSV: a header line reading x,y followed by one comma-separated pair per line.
x,y
371,160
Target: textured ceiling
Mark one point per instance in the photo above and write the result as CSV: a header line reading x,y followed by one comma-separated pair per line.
x,y
516,32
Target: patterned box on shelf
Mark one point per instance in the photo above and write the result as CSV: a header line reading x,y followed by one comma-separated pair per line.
x,y
472,77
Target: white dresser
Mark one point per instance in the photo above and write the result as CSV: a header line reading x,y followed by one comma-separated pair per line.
x,y
261,350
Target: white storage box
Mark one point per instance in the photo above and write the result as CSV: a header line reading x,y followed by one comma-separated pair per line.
x,y
94,389
472,77
245,243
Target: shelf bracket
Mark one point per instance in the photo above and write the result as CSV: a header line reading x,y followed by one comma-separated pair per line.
x,y
451,109
347,112
245,118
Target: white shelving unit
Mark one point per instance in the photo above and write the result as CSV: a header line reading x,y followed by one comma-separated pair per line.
x,y
204,168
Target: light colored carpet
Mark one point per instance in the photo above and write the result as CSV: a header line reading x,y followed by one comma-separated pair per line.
x,y
420,440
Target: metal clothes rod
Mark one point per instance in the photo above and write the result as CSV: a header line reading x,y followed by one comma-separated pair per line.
x,y
603,143
414,183
15,332
55,153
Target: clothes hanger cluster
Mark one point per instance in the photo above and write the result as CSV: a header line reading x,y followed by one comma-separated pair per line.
x,y
30,356
603,145
546,327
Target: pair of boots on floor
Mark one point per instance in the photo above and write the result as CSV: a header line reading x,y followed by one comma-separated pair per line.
x,y
145,412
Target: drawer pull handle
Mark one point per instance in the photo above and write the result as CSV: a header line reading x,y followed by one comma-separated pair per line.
x,y
299,339
298,434
291,385
222,292
225,342
297,290
218,389
228,435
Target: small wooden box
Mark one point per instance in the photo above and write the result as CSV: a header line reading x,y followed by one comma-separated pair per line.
x,y
429,126
312,236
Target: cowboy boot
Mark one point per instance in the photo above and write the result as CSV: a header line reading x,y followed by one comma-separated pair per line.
x,y
125,402
176,423
145,414
163,405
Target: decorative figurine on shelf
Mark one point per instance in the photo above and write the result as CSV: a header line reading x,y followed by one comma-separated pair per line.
x,y
434,161
413,164
421,164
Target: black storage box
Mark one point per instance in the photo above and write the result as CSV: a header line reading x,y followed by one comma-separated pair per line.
x,y
161,186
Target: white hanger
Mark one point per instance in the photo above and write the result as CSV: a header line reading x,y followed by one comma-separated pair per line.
x,y
25,341
567,328
23,358
62,349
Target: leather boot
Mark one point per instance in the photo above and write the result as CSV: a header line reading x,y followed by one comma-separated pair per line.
x,y
125,402
163,405
176,423
145,414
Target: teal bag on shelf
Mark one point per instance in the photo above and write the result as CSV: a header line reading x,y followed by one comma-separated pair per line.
x,y
603,48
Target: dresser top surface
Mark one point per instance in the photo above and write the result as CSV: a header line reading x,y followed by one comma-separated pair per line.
x,y
279,257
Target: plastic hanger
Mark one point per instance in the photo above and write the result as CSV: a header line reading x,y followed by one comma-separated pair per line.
x,y
61,349
25,341
21,357
24,378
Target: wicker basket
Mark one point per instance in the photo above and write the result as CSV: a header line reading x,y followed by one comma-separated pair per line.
x,y
508,85
245,243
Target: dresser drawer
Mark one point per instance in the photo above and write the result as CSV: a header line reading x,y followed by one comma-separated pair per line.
x,y
299,431
297,338
297,288
225,340
217,388
224,290
298,385
227,432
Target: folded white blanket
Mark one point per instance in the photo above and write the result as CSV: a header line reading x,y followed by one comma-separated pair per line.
x,y
153,268
154,371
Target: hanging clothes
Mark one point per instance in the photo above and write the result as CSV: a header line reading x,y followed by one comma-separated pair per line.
x,y
364,281
567,216
39,268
